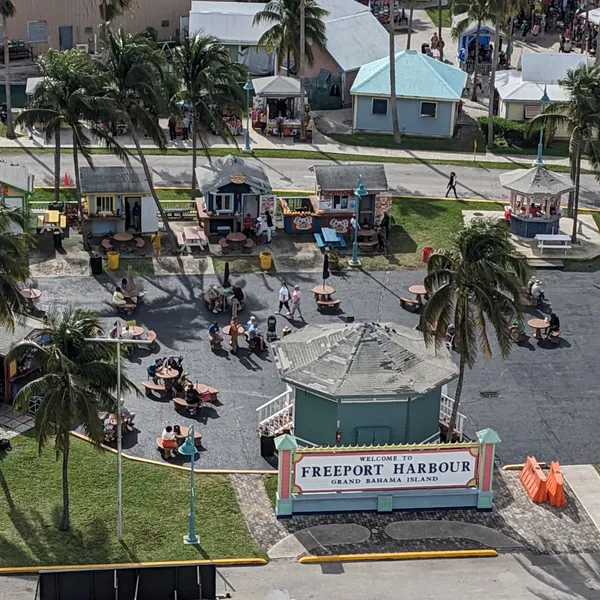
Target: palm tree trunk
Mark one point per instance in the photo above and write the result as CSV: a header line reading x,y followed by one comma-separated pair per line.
x,y
393,102
194,148
490,140
57,166
148,175
573,175
457,395
78,193
10,129
65,521
576,193
440,30
301,69
476,63
410,22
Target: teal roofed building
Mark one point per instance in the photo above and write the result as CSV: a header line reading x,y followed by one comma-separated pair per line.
x,y
428,93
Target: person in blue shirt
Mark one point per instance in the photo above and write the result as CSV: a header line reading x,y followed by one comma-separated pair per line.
x,y
215,334
254,334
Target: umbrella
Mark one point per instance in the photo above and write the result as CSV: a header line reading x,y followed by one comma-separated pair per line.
x,y
325,268
226,282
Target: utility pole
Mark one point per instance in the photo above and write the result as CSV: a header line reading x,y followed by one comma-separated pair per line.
x,y
301,70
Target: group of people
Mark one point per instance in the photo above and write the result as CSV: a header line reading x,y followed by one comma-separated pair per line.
x,y
217,298
181,122
382,230
172,362
260,229
256,339
285,298
169,437
109,424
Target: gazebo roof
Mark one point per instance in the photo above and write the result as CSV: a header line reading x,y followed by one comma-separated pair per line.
x,y
536,181
218,173
362,360
277,86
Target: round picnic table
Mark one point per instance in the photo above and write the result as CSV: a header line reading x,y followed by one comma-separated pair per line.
x,y
236,240
135,331
123,237
366,233
538,325
323,292
227,330
185,431
418,291
31,295
165,374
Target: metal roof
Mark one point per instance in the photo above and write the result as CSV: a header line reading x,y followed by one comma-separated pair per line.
x,y
24,325
345,177
218,173
417,76
113,180
15,175
368,360
536,181
277,86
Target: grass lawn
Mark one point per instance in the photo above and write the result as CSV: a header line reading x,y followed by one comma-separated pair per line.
x,y
270,482
446,16
418,222
142,266
558,148
239,265
155,499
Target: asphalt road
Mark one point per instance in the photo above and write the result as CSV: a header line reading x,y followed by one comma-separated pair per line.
x,y
508,577
294,174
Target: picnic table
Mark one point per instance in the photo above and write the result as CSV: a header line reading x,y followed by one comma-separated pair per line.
x,y
123,238
236,241
184,432
538,325
329,237
31,295
323,297
559,241
52,221
165,373
134,332
418,291
366,233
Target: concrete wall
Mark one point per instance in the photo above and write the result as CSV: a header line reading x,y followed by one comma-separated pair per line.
x,y
82,14
408,115
315,418
423,417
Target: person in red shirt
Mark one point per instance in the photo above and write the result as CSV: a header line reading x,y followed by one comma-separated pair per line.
x,y
247,224
533,211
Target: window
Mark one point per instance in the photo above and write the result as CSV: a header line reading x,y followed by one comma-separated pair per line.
x,y
379,106
36,32
105,204
532,111
429,110
224,202
340,202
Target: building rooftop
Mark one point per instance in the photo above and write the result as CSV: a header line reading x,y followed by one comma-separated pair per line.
x,y
277,86
417,76
15,175
536,181
24,325
218,173
367,360
345,177
113,180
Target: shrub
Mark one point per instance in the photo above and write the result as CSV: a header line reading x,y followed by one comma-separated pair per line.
x,y
512,132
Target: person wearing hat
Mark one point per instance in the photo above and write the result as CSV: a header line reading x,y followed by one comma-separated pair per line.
x,y
260,229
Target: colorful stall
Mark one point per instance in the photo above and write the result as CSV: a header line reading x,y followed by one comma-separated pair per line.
x,y
16,185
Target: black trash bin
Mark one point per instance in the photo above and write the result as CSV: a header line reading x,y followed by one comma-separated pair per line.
x,y
267,445
96,264
58,240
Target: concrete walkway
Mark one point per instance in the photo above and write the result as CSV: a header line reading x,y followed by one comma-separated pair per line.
x,y
584,481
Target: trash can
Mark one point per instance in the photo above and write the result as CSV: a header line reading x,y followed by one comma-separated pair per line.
x,y
266,260
267,445
113,260
427,252
96,264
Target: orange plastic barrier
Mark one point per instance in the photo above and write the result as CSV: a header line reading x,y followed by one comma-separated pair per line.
x,y
556,486
534,480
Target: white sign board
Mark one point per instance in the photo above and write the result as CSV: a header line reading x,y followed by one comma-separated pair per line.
x,y
399,470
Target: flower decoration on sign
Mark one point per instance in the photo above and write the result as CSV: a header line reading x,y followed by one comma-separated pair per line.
x,y
303,223
340,225
4,190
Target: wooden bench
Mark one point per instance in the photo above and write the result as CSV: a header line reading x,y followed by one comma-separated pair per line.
x,y
319,240
341,239
370,246
410,303
139,245
151,337
182,404
248,245
214,394
126,308
106,244
181,241
334,304
224,246
554,337
154,388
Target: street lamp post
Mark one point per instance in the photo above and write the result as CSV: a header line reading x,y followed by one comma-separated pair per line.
x,y
248,87
538,162
189,449
359,192
118,342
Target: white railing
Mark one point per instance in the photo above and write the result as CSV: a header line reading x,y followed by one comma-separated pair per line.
x,y
303,442
432,439
446,405
277,414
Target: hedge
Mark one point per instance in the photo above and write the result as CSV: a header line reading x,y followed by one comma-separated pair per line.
x,y
513,132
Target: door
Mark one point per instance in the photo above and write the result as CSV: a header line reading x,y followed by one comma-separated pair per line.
x,y
251,205
367,210
149,215
65,36
184,27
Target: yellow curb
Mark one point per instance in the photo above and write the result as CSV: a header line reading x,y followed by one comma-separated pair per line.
x,y
519,467
311,560
220,562
158,463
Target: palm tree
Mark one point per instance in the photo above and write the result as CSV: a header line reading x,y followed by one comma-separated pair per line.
x,y
475,281
14,264
284,34
478,11
393,101
77,381
411,8
7,11
209,83
138,85
111,9
70,94
580,116
440,30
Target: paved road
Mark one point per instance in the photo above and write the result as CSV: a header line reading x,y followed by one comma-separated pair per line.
x,y
289,173
508,577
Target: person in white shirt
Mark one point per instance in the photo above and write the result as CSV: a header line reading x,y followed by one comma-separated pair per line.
x,y
296,297
284,299
169,441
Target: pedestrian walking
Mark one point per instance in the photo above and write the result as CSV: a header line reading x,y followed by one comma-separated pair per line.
x,y
452,185
156,244
185,128
385,223
263,122
296,298
270,226
172,128
284,299
381,239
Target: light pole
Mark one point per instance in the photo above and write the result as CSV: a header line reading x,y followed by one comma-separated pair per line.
x,y
189,449
359,192
248,87
538,162
118,341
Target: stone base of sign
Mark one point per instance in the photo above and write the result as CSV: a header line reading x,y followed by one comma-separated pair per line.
x,y
283,507
485,500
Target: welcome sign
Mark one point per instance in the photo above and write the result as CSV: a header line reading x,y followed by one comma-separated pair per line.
x,y
394,470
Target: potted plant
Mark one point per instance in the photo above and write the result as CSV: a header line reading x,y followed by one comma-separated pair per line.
x,y
333,254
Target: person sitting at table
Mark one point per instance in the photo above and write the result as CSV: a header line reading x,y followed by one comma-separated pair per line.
x,y
191,395
175,364
255,337
238,294
213,297
554,325
118,298
177,430
214,334
537,291
247,225
169,441
110,430
127,417
114,331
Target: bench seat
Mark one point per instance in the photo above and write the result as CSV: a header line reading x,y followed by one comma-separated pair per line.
x,y
105,243
319,240
224,245
248,245
335,304
410,303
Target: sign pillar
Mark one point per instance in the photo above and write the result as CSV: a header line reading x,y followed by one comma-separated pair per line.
x,y
285,445
488,439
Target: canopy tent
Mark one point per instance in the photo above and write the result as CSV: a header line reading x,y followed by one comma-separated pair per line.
x,y
536,181
487,30
277,86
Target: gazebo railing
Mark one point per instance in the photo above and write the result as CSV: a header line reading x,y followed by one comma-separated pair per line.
x,y
446,406
278,413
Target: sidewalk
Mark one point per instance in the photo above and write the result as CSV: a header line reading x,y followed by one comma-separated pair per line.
x,y
584,480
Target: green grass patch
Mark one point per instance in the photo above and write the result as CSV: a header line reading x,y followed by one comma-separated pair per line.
x,y
155,511
142,266
239,265
446,16
582,266
558,148
270,482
